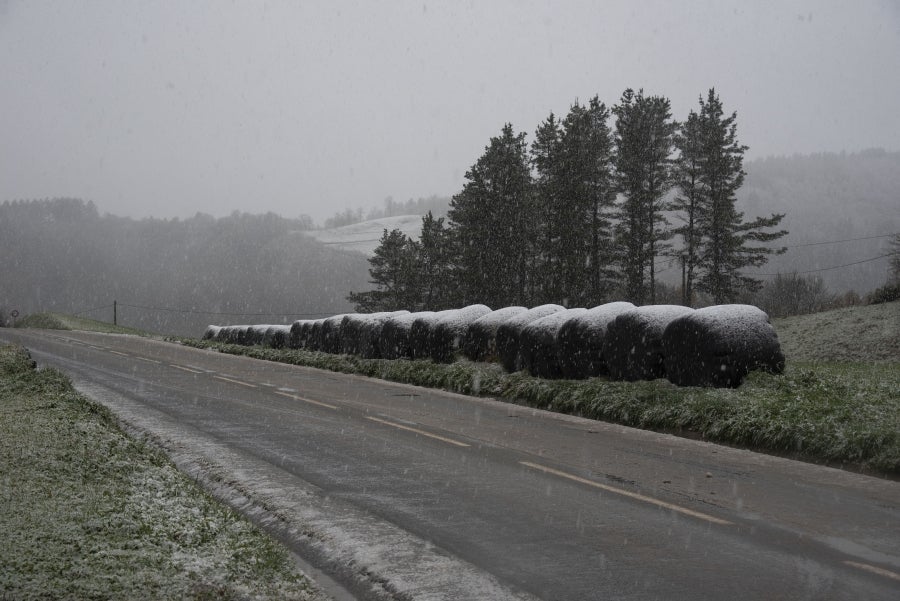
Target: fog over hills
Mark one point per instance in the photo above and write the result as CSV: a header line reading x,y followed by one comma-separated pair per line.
x,y
176,276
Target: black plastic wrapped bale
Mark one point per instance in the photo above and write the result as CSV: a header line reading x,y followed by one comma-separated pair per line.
x,y
539,343
370,335
633,348
210,332
351,330
256,334
509,331
447,334
420,332
330,334
581,341
241,335
395,335
276,336
299,333
228,335
480,343
718,346
314,339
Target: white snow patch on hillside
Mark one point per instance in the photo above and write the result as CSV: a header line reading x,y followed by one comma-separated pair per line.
x,y
364,237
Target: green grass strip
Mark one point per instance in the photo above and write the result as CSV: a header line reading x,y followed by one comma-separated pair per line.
x,y
87,512
836,413
61,321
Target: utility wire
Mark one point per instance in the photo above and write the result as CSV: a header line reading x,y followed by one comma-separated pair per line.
x,y
195,312
92,310
828,268
839,241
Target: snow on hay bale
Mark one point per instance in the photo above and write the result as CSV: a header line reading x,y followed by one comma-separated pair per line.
x,y
300,330
395,335
255,334
632,348
447,334
420,331
237,334
480,343
371,333
718,346
314,339
351,331
581,341
539,343
211,332
276,336
228,335
330,334
508,334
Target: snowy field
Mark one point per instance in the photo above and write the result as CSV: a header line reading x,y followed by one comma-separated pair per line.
x,y
364,237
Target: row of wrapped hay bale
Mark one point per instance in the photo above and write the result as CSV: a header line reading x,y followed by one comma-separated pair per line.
x,y
714,346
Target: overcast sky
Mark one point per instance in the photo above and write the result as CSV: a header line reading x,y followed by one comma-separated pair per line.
x,y
173,108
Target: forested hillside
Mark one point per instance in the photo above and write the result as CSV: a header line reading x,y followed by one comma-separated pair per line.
x,y
169,276
826,198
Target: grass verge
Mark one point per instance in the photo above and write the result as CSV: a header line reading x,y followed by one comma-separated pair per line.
x,y
88,512
60,321
837,413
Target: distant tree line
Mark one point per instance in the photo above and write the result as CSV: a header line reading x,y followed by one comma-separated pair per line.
x,y
62,255
582,216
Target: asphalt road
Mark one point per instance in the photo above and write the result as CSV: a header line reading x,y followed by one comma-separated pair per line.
x,y
402,492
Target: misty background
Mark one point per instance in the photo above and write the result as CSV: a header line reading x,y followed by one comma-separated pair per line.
x,y
239,126
170,108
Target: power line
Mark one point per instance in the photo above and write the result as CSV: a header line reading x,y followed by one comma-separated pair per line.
x,y
233,314
839,241
92,310
828,268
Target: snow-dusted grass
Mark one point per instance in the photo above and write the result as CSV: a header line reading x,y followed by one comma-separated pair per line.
x,y
839,413
60,321
87,512
364,237
870,333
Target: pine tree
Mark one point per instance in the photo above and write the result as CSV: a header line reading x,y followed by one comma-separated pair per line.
x,y
727,243
492,224
547,163
394,273
434,256
602,194
689,201
644,139
575,192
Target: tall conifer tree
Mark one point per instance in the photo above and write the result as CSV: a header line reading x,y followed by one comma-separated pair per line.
x,y
727,244
644,138
393,269
492,223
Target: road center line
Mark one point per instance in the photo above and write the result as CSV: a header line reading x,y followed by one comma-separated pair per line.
x,y
247,384
305,400
874,570
121,354
187,369
417,431
150,360
629,494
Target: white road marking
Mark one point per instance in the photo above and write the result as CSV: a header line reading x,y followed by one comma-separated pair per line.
x,y
247,384
305,400
874,570
121,354
187,369
629,494
417,431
